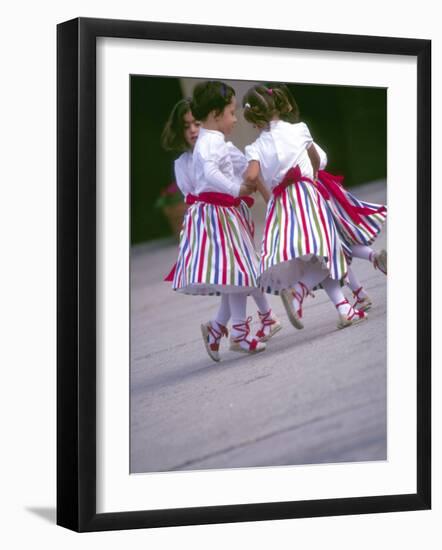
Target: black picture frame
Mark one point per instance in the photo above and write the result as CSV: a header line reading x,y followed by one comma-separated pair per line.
x,y
76,274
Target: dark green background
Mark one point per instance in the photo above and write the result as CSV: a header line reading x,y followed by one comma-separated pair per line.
x,y
349,123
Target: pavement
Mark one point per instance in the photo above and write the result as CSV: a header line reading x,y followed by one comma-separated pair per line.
x,y
316,395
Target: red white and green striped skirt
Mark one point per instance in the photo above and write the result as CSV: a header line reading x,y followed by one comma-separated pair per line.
x,y
216,252
300,234
359,222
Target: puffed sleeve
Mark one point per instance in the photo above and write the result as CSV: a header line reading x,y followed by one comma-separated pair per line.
x,y
213,155
322,157
252,152
183,176
304,135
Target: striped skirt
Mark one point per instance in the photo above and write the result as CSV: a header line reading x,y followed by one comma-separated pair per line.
x,y
216,252
300,235
248,218
370,225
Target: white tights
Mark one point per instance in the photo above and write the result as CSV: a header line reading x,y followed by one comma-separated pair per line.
x,y
354,283
362,251
312,278
235,306
335,294
232,306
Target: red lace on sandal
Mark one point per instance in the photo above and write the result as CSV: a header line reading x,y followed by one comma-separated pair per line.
x,y
266,321
352,312
356,295
216,335
244,328
300,297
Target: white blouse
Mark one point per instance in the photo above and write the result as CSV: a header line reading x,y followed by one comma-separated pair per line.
x,y
183,173
213,164
183,167
322,157
280,147
239,162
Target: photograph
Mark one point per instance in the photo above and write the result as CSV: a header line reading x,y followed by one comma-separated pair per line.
x,y
249,337
258,274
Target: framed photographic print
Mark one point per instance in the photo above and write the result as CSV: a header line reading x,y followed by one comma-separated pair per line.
x,y
211,181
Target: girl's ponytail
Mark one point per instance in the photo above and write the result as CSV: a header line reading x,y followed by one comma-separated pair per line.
x,y
288,108
262,103
259,105
282,103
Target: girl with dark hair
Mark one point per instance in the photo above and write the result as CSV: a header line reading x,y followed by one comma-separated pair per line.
x,y
301,245
180,133
216,253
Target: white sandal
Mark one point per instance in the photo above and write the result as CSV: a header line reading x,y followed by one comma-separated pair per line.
x,y
362,304
267,321
243,344
380,261
293,314
352,317
212,348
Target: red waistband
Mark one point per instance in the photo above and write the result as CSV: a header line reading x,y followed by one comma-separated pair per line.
x,y
292,176
219,199
328,185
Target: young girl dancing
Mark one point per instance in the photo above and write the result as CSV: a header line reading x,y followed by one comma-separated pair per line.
x,y
216,253
359,222
301,246
180,134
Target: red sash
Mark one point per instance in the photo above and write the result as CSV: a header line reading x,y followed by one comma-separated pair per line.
x,y
191,199
328,185
333,184
292,176
219,199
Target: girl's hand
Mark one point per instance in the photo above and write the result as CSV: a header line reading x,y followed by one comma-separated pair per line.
x,y
265,193
247,189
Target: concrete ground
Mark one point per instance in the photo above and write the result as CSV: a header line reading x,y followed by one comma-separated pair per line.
x,y
316,395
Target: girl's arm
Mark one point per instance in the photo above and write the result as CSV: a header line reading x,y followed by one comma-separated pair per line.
x,y
251,177
216,178
265,193
322,157
314,159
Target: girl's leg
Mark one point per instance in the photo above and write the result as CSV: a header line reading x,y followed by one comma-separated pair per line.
x,y
362,251
378,259
270,324
353,281
347,314
363,301
261,301
240,340
223,314
293,299
214,330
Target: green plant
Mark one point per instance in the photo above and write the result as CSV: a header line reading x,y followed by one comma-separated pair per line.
x,y
169,196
